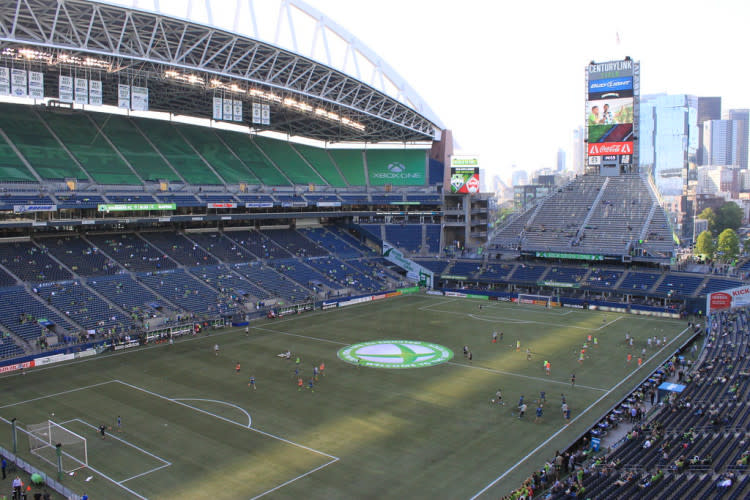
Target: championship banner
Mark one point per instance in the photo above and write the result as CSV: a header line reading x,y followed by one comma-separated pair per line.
x,y
65,87
139,98
227,109
36,85
123,96
237,111
95,92
728,299
256,113
82,91
4,81
265,114
18,82
217,114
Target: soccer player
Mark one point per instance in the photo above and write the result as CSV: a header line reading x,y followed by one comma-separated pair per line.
x,y
499,397
494,337
518,345
539,413
542,397
247,331
596,341
466,351
471,356
315,373
322,369
119,424
640,362
310,385
630,357
237,367
572,379
528,354
102,430
580,356
252,382
300,384
522,410
296,373
547,368
216,349
520,401
567,416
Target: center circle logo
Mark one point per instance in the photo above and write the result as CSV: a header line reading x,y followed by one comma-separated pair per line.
x,y
395,354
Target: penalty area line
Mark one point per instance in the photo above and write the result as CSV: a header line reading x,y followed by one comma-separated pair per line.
x,y
540,379
316,469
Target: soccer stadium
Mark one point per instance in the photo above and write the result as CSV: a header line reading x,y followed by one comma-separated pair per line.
x,y
235,267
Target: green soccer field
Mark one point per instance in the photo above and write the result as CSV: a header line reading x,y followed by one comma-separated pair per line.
x,y
193,428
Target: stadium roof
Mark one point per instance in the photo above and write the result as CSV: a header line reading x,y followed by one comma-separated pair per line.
x,y
319,80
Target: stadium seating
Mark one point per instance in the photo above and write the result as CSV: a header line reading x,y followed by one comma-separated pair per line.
x,y
351,165
185,291
603,279
231,284
495,272
222,247
267,278
640,282
560,274
80,256
132,252
679,285
405,237
432,238
21,313
305,275
525,274
243,147
437,266
464,268
134,298
31,263
229,167
330,242
179,248
322,163
287,159
258,244
90,148
717,284
11,167
294,242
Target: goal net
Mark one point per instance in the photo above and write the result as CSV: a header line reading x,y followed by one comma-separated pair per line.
x,y
43,441
539,300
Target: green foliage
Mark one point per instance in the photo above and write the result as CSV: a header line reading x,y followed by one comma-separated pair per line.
x,y
709,215
729,217
729,245
704,245
746,245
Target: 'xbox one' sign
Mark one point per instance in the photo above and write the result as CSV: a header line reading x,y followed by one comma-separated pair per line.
x,y
395,354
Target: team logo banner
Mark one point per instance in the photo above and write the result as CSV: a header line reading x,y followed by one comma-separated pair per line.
x,y
728,299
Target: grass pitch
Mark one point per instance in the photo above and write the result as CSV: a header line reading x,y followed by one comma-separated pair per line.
x,y
193,428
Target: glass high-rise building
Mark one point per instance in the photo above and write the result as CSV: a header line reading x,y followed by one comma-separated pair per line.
x,y
720,142
709,108
668,142
742,119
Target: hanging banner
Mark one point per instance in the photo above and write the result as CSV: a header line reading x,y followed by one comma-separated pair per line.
x,y
139,98
265,114
256,112
217,108
65,88
227,109
81,91
95,92
237,111
4,81
123,96
36,85
18,82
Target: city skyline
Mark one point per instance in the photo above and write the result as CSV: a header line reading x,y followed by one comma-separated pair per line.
x,y
541,88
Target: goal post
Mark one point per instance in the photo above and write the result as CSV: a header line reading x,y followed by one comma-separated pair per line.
x,y
44,438
539,300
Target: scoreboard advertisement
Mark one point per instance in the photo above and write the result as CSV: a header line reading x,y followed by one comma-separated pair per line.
x,y
611,107
464,174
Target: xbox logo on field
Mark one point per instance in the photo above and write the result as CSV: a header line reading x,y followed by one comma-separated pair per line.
x,y
396,168
395,354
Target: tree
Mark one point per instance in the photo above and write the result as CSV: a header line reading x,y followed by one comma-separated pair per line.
x,y
704,245
746,246
709,215
730,216
729,245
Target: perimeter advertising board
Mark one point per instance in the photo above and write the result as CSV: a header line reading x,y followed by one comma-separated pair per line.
x,y
728,299
610,106
464,174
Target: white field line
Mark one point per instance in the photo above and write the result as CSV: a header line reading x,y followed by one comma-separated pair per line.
x,y
56,394
112,436
144,473
299,335
296,478
541,379
249,419
226,419
532,452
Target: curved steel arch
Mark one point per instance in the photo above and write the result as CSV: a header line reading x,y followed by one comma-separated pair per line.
x,y
133,35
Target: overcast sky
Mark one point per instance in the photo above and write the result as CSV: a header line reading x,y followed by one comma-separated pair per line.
x,y
508,77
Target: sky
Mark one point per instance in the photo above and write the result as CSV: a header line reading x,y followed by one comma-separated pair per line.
x,y
508,77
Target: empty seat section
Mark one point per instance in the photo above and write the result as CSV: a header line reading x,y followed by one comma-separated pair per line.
x,y
227,282
179,154
565,274
133,253
528,273
372,270
352,240
679,284
267,278
258,244
130,295
343,275
304,275
351,164
90,148
719,284
407,237
21,314
181,249
437,266
11,166
85,308
293,242
224,248
31,263
228,166
286,159
464,268
134,147
639,281
40,148
433,238
80,256
603,278
322,163
329,241
495,271
185,291
248,152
